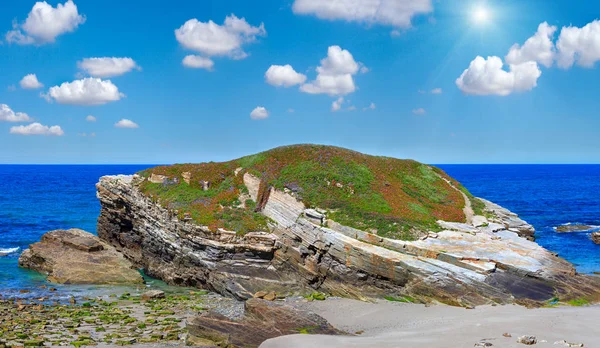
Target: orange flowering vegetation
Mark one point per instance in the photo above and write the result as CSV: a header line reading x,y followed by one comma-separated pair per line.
x,y
387,196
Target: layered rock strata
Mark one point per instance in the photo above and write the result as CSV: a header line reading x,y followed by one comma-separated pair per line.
x,y
491,260
262,320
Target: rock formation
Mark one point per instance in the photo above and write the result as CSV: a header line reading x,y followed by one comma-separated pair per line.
x,y
78,257
262,320
596,237
460,265
573,228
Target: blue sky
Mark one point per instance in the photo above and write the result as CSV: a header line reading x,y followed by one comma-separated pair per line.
x,y
398,57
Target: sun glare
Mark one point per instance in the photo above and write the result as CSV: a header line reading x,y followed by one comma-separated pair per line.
x,y
481,15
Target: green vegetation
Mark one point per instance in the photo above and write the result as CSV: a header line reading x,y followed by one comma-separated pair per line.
x,y
391,197
306,330
578,302
316,296
403,299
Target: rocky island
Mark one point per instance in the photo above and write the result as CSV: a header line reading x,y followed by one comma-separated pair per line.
x,y
299,219
270,232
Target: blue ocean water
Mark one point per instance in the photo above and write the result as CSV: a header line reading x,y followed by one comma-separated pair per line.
x,y
36,199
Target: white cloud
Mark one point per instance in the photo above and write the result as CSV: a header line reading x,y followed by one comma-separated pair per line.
x,y
87,91
397,13
396,33
30,82
486,77
44,23
363,68
436,91
107,66
351,108
37,129
86,135
8,115
125,123
291,111
90,118
419,111
211,39
538,48
579,45
259,113
335,75
11,88
198,62
372,106
337,104
284,75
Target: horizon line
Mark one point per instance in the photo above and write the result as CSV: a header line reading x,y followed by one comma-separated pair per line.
x,y
168,164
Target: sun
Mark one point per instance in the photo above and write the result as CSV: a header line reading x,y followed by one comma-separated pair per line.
x,y
481,15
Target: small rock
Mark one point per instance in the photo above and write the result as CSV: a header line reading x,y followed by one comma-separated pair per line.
x,y
483,344
596,237
573,228
527,340
153,295
260,294
567,344
506,334
270,296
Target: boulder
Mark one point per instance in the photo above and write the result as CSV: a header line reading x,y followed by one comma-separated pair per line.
x,y
262,320
78,257
573,228
152,295
596,237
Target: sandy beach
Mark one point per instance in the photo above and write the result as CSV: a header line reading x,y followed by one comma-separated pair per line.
x,y
389,324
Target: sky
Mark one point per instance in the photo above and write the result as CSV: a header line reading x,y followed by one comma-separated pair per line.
x,y
448,81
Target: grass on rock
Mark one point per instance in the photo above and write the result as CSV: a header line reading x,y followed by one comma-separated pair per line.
x,y
387,196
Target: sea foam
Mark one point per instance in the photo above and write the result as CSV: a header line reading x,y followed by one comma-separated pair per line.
x,y
4,252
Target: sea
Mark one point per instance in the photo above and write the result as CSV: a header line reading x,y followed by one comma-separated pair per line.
x,y
35,199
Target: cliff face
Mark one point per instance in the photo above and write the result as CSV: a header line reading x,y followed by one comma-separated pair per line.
x,y
488,260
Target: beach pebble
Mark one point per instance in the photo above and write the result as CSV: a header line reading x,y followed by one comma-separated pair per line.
x,y
483,344
527,340
567,344
270,296
506,334
260,294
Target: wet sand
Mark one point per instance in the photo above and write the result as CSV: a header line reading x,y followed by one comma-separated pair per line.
x,y
390,324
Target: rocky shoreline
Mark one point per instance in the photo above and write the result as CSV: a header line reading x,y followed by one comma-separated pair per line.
x,y
154,318
261,279
116,319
